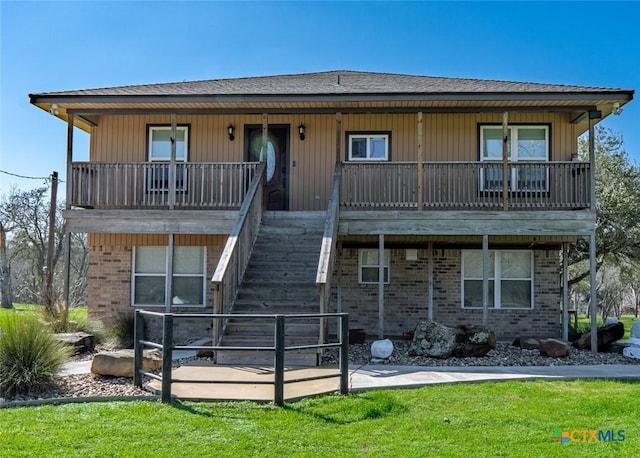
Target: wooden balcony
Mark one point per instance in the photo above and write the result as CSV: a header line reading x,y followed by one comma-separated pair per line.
x,y
148,185
460,186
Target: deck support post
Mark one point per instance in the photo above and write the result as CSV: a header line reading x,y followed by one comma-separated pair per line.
x,y
430,280
381,286
420,189
168,280
278,395
565,291
485,280
265,137
338,282
593,292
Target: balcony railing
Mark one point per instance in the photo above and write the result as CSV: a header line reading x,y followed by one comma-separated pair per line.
x,y
104,185
466,185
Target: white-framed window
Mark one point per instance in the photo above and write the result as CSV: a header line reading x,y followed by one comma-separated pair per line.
x,y
510,279
524,144
368,147
368,266
159,145
149,276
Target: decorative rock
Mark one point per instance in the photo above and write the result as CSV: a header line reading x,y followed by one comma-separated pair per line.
x,y
120,363
433,339
607,335
80,341
634,340
473,341
554,348
205,353
381,349
526,343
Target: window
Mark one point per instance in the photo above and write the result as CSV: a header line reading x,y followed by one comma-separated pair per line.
x,y
510,279
368,266
524,143
368,147
149,275
160,151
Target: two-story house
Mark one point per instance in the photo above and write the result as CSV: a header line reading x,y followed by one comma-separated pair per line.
x,y
396,198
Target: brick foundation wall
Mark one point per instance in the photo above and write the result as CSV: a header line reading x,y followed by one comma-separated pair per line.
x,y
406,296
109,291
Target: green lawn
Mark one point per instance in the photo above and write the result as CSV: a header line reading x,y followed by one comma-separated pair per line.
x,y
508,419
75,313
627,320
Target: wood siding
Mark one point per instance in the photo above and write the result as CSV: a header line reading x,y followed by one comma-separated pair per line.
x,y
447,137
129,240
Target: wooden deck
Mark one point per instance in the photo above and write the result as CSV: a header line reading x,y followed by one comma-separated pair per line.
x,y
262,390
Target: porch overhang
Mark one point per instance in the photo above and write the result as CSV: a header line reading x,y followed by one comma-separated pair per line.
x,y
467,223
150,221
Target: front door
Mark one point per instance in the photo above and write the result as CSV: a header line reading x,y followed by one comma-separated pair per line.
x,y
277,159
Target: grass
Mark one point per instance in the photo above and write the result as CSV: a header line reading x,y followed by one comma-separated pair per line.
x,y
584,323
508,419
78,314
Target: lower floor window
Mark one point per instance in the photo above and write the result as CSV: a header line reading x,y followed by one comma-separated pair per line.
x,y
510,278
150,273
368,266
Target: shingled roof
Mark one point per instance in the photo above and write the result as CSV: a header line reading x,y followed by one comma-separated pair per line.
x,y
337,82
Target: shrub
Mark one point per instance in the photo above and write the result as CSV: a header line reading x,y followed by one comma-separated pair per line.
x,y
122,330
29,354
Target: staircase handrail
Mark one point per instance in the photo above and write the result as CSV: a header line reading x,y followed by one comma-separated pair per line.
x,y
237,251
326,261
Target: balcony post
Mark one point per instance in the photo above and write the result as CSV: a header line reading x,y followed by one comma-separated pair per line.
x,y
338,136
420,191
172,163
68,199
505,161
265,137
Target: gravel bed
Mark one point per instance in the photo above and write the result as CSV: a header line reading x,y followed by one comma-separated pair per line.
x,y
88,385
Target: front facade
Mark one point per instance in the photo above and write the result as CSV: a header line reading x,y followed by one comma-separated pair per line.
x,y
443,199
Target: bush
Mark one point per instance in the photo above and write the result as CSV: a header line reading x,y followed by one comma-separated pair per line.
x,y
122,330
29,354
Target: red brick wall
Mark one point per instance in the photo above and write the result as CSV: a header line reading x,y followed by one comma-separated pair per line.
x,y
109,289
406,296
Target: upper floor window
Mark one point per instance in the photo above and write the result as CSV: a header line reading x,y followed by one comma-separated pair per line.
x,y
368,147
524,144
160,151
160,143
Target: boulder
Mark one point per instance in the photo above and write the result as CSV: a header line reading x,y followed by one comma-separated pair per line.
x,y
607,335
205,353
554,348
634,339
473,341
120,363
79,341
526,343
381,349
433,339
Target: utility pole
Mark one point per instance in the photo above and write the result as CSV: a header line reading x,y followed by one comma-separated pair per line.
x,y
51,241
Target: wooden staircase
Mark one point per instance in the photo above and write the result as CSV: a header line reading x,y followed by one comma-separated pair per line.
x,y
280,279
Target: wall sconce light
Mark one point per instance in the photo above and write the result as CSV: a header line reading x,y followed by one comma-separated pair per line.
x,y
54,109
230,131
301,130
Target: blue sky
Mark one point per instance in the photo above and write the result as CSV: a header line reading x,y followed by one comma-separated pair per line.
x,y
52,46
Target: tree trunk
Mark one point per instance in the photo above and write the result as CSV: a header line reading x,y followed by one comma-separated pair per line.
x,y
5,272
